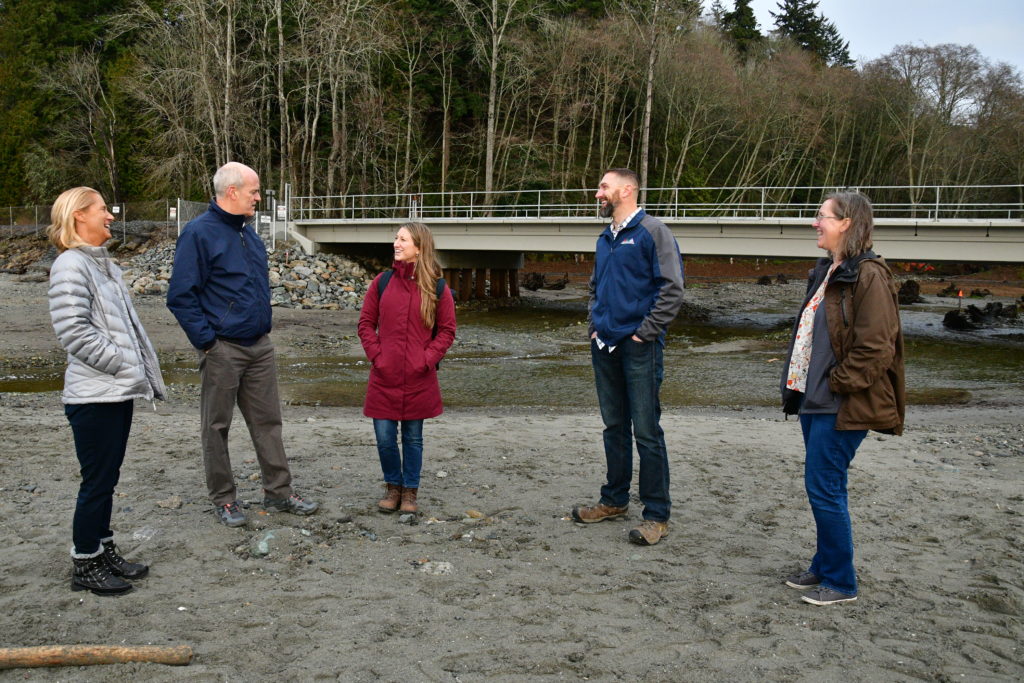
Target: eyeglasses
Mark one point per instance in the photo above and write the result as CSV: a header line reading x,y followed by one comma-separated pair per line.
x,y
820,217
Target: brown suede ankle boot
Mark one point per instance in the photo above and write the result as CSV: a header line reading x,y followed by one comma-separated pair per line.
x,y
392,497
409,500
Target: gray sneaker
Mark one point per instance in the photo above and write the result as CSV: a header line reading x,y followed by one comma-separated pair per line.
x,y
826,596
295,504
803,581
231,514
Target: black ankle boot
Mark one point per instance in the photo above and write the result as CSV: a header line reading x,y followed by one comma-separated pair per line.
x,y
93,574
120,566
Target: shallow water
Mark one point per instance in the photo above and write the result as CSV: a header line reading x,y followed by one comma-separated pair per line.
x,y
539,356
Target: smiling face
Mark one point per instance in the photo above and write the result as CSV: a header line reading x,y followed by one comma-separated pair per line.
x,y
609,193
93,222
405,248
830,227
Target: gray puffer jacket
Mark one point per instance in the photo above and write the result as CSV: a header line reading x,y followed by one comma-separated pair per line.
x,y
110,358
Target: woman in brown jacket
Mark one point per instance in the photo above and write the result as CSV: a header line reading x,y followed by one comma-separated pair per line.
x,y
843,376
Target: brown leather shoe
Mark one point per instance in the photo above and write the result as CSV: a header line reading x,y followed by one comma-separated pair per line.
x,y
391,499
409,500
649,533
598,513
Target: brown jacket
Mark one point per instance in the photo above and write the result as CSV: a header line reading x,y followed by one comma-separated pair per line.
x,y
863,316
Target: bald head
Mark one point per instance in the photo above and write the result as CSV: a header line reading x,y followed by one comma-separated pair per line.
x,y
237,188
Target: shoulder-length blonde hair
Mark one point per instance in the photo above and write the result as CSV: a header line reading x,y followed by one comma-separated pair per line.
x,y
61,230
857,207
427,271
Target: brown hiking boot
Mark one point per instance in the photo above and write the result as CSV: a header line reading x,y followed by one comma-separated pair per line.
x,y
391,499
409,500
649,532
598,513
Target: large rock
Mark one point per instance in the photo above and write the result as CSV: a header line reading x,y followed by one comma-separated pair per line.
x,y
910,293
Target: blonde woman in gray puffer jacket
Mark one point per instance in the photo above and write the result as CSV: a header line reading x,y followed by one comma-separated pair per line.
x,y
110,363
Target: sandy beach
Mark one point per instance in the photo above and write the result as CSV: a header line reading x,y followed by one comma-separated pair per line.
x,y
493,581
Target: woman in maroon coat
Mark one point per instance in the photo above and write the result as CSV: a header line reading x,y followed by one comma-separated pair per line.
x,y
405,333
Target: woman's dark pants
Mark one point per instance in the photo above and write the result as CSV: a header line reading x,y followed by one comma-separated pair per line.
x,y
101,436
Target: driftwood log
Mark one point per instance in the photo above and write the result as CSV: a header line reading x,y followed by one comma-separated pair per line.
x,y
84,655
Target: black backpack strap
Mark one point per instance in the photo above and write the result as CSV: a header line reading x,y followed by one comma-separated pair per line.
x,y
382,283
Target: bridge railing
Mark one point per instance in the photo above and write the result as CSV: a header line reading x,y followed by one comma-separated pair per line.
x,y
925,202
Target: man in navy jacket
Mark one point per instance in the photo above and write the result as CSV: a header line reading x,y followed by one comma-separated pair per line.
x,y
635,292
220,294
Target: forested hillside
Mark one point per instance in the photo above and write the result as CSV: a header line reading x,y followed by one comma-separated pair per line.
x,y
144,98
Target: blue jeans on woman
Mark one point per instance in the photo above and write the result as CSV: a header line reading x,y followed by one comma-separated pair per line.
x,y
101,437
628,383
829,454
401,470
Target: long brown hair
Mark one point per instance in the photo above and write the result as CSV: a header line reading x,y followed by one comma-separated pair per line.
x,y
856,207
427,272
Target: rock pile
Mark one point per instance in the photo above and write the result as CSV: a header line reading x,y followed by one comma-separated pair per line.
x,y
297,280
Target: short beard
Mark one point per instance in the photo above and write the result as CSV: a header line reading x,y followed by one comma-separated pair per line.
x,y
606,210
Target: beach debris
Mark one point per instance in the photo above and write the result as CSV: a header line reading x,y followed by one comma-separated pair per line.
x,y
408,518
172,503
343,519
973,318
144,534
85,655
441,474
910,293
437,568
260,545
474,514
29,488
368,534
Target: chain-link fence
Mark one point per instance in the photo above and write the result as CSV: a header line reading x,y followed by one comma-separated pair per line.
x,y
130,218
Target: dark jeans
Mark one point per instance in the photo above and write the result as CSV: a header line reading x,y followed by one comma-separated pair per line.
x,y
246,375
829,454
628,383
405,470
101,436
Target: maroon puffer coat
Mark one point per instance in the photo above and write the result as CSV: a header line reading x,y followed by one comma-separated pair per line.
x,y
403,377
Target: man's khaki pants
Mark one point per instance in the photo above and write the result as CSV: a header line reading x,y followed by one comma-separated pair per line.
x,y
247,375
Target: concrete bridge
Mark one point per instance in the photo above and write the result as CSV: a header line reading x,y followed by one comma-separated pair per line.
x,y
478,236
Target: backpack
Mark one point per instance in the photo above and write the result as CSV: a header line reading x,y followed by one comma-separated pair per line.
x,y
382,284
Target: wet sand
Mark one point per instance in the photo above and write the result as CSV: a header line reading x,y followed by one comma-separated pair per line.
x,y
494,582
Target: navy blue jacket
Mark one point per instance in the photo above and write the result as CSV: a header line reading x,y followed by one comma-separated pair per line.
x,y
637,284
220,285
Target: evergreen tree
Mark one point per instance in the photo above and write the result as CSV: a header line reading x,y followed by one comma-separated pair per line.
x,y
800,21
740,26
837,50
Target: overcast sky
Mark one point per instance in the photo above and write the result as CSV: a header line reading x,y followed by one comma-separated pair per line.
x,y
875,27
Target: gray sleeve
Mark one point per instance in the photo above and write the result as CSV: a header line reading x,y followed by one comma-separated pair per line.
x,y
592,291
71,312
670,270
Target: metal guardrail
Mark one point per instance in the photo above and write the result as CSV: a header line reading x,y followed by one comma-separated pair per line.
x,y
924,202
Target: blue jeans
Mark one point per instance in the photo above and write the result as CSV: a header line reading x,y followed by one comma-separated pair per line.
x,y
628,383
101,437
829,454
405,470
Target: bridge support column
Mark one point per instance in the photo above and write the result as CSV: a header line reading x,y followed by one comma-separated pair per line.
x,y
468,272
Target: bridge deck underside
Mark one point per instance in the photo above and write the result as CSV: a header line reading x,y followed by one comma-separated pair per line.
x,y
947,240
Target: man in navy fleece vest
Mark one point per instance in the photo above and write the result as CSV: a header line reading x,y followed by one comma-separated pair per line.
x,y
635,292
